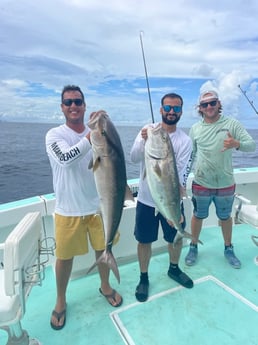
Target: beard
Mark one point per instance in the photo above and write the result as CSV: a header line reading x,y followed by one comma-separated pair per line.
x,y
170,122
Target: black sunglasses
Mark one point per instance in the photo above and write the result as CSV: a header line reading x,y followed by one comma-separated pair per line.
x,y
69,101
176,108
211,103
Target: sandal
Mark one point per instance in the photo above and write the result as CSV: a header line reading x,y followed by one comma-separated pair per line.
x,y
112,297
58,316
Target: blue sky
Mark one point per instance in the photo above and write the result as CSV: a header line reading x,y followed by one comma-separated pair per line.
x,y
189,46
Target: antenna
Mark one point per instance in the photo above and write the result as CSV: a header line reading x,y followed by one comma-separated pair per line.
x,y
250,102
146,76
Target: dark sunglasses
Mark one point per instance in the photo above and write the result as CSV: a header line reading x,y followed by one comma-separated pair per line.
x,y
69,101
176,108
211,103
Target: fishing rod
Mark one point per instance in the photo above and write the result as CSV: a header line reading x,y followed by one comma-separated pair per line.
x,y
146,76
250,102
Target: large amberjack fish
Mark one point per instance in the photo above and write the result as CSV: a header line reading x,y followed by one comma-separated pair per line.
x,y
111,182
162,177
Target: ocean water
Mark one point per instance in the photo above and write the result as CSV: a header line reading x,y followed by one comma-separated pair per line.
x,y
24,166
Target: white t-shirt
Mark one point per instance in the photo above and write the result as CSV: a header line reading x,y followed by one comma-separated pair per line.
x,y
69,153
182,145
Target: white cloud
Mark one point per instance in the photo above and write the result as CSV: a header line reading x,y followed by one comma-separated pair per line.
x,y
45,45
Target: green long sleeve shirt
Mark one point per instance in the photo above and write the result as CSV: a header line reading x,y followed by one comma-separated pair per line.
x,y
212,166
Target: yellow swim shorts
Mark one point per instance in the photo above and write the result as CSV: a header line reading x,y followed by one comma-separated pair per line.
x,y
72,235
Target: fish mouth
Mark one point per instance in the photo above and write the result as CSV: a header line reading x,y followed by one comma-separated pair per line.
x,y
97,117
156,130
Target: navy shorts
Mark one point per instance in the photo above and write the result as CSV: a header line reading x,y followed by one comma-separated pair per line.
x,y
147,224
223,199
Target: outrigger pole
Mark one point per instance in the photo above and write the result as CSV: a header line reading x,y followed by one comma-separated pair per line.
x,y
250,102
146,76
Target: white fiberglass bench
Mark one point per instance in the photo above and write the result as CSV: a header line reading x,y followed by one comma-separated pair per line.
x,y
246,212
22,269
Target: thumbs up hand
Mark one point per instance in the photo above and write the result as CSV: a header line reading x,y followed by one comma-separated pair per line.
x,y
230,143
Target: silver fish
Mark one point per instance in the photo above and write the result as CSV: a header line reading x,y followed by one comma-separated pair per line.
x,y
111,182
162,177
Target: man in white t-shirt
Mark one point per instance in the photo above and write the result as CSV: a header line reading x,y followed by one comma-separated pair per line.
x,y
69,151
146,220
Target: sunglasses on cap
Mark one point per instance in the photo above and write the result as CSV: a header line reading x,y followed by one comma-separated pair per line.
x,y
176,108
69,101
211,103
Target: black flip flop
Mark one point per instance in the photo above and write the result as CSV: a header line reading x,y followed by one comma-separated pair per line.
x,y
58,316
113,296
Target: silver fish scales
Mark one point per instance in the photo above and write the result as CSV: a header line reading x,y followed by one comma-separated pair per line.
x,y
111,182
162,177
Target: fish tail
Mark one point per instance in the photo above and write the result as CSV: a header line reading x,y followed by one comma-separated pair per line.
x,y
92,267
182,234
107,258
111,262
179,236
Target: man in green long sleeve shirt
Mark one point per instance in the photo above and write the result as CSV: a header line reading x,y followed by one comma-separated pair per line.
x,y
213,138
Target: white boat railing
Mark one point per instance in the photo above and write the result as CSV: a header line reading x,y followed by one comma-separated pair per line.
x,y
11,213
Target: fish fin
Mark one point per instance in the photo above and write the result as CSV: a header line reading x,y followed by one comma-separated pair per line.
x,y
157,169
128,193
111,262
96,164
182,234
92,267
107,258
178,237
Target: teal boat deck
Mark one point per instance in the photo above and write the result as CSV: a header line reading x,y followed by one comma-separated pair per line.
x,y
222,308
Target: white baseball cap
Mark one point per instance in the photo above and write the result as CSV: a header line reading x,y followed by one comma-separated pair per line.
x,y
208,95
